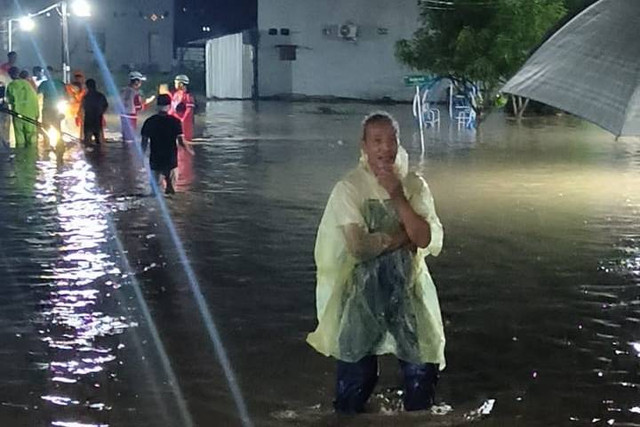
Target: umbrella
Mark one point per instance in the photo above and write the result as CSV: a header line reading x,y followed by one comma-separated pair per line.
x,y
590,67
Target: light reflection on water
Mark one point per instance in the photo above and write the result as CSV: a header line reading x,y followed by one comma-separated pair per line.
x,y
71,321
80,363
74,424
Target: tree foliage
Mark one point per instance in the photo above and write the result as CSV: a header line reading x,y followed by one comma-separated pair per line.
x,y
478,40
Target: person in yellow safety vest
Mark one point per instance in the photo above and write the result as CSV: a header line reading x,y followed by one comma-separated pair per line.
x,y
23,100
76,90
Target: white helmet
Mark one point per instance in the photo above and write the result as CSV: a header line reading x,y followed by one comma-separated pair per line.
x,y
136,75
181,78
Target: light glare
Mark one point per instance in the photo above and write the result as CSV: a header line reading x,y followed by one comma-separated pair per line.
x,y
81,8
27,24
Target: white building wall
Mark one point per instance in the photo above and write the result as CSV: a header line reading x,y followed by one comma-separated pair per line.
x,y
327,65
126,29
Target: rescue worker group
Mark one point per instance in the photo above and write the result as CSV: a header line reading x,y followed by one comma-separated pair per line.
x,y
41,104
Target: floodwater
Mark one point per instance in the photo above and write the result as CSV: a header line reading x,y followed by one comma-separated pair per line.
x,y
538,280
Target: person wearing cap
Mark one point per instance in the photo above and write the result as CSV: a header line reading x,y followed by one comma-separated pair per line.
x,y
132,104
23,100
94,105
183,105
162,133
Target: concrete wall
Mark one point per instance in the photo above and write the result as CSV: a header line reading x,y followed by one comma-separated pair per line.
x,y
326,64
124,28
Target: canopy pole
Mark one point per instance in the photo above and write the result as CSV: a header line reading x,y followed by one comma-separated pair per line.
x,y
420,117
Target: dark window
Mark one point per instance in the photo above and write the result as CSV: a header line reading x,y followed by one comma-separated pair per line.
x,y
287,52
273,31
284,31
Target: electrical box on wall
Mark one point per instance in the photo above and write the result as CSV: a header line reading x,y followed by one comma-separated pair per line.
x,y
348,31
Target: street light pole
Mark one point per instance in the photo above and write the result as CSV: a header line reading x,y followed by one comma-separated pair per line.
x,y
10,34
80,8
65,42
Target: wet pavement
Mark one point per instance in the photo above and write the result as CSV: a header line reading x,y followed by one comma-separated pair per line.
x,y
100,325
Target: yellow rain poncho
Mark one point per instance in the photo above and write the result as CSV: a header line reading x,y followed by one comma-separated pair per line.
x,y
371,301
23,100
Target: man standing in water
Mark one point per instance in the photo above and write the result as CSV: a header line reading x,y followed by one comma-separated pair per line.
x,y
374,292
54,100
93,106
164,132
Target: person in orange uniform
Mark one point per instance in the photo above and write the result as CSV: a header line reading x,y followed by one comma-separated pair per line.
x,y
183,105
76,90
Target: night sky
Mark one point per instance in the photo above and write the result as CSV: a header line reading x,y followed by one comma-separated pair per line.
x,y
218,17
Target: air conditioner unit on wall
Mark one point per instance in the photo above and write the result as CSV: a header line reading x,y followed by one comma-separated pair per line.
x,y
348,31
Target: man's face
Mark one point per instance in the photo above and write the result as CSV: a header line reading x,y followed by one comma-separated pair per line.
x,y
178,85
380,145
136,84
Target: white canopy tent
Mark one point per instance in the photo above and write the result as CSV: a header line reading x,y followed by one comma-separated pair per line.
x,y
590,67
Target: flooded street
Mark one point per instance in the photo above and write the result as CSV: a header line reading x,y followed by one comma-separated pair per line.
x,y
539,278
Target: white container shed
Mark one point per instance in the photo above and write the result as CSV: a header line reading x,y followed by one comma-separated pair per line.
x,y
229,67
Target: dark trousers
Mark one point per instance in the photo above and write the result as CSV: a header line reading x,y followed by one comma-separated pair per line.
x,y
356,381
169,176
95,131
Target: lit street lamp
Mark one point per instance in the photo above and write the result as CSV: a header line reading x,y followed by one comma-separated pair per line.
x,y
79,8
27,24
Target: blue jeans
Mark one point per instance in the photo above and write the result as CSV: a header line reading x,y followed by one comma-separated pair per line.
x,y
356,381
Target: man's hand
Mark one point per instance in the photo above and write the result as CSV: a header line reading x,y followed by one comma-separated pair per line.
x,y
400,239
186,145
388,179
149,100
